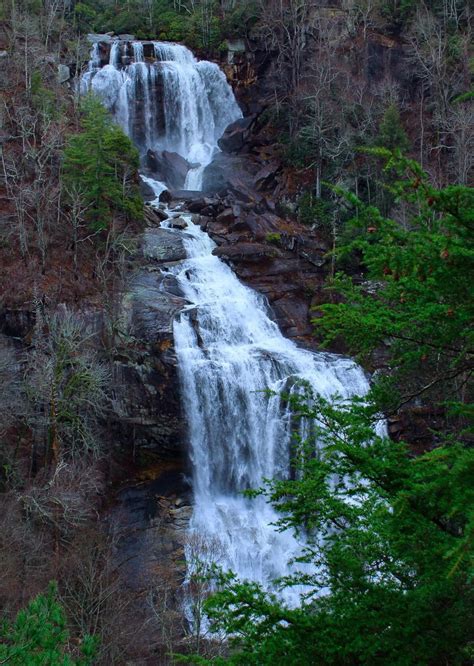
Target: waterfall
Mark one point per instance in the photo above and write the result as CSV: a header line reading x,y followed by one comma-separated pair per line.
x,y
229,352
165,99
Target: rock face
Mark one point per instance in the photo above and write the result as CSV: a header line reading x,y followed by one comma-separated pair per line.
x,y
236,134
147,408
168,167
230,173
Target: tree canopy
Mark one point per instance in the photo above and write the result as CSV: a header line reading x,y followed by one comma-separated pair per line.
x,y
39,636
389,534
101,162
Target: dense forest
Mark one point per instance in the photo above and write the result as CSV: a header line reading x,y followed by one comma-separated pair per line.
x,y
342,192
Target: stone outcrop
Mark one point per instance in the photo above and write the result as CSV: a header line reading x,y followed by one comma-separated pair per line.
x,y
168,167
236,134
146,407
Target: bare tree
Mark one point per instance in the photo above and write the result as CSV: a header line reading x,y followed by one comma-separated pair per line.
x,y
286,28
458,130
361,13
67,385
429,54
95,597
64,501
202,556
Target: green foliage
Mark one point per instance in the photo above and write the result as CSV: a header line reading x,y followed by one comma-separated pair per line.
x,y
298,151
465,97
314,211
394,547
391,133
39,636
398,12
204,26
240,19
101,163
273,237
43,99
423,274
389,535
84,15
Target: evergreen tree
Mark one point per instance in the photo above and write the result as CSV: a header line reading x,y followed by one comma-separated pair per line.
x,y
101,162
391,133
39,637
389,535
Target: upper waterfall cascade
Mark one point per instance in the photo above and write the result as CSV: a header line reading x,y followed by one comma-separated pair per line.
x,y
164,99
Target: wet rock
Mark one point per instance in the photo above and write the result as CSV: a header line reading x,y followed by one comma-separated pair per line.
x,y
153,310
162,245
190,198
236,134
292,313
201,220
178,223
161,214
165,196
231,174
248,251
169,167
146,410
154,216
197,205
146,191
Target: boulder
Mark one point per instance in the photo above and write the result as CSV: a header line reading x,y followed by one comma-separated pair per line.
x,y
154,216
146,190
162,246
249,252
226,217
236,134
187,196
178,223
266,174
165,196
170,167
231,174
63,74
197,205
161,214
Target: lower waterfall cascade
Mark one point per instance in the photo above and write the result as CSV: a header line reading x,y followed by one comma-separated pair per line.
x,y
229,353
229,350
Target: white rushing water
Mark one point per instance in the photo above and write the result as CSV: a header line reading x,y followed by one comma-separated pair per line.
x,y
229,352
166,101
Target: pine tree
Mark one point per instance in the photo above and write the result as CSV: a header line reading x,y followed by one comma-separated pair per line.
x,y
101,162
391,133
39,636
389,535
